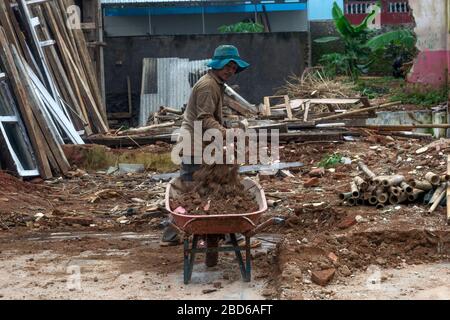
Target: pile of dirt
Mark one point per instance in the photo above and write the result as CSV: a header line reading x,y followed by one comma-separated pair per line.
x,y
217,189
10,183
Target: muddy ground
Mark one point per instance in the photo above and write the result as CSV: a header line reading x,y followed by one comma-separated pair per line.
x,y
96,235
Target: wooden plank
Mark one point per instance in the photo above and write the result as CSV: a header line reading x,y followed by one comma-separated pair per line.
x,y
130,102
24,104
47,132
307,106
288,107
88,26
66,86
345,114
267,106
89,70
62,44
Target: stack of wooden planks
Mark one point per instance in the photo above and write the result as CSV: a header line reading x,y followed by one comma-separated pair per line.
x,y
45,59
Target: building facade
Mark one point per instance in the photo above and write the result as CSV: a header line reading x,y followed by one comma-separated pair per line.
x,y
393,12
182,17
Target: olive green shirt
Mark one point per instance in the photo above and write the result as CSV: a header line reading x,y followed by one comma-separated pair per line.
x,y
205,104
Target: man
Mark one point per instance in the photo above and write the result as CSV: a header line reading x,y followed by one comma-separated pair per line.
x,y
205,105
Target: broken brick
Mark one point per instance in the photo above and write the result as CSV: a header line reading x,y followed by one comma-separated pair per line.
x,y
323,277
318,172
313,182
333,257
339,175
347,222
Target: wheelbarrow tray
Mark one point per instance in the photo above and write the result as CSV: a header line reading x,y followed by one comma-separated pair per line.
x,y
218,224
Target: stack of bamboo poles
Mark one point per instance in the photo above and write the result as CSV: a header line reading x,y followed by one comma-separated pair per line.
x,y
394,189
70,68
47,63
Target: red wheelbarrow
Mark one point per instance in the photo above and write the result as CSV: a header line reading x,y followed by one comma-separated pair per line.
x,y
213,226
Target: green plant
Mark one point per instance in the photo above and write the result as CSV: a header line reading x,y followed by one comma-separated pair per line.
x,y
420,95
242,27
330,161
361,48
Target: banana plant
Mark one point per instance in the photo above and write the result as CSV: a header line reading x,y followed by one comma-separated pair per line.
x,y
359,46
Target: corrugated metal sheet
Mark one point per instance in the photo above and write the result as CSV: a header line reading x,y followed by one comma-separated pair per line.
x,y
174,79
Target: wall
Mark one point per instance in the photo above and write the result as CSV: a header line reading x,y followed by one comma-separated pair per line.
x,y
141,25
272,56
321,9
432,63
319,29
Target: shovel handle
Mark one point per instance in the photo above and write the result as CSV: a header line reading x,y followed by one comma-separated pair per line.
x,y
265,224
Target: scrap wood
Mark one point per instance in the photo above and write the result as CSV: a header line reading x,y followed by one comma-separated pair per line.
x,y
103,194
353,112
146,129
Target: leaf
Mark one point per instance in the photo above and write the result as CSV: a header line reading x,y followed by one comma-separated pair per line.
x,y
326,39
405,37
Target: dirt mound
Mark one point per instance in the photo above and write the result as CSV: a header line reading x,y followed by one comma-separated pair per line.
x,y
10,183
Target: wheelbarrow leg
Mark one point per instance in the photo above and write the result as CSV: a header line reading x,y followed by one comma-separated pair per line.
x,y
248,260
189,261
237,250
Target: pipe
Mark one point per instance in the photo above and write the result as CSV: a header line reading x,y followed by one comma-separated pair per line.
x,y
382,197
437,193
373,200
351,201
392,180
395,190
354,188
406,187
433,178
421,184
360,202
345,195
437,201
366,170
362,185
415,194
380,206
394,199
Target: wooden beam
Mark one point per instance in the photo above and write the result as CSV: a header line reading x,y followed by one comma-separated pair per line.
x,y
353,112
24,104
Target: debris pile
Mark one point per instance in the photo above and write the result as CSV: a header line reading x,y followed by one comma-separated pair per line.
x,y
48,86
381,190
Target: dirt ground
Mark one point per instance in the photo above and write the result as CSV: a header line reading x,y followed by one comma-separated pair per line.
x,y
96,235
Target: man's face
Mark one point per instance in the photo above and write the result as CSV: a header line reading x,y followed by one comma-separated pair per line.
x,y
228,71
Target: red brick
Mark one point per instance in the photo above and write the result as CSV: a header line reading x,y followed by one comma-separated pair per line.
x,y
339,175
318,172
313,182
347,222
323,277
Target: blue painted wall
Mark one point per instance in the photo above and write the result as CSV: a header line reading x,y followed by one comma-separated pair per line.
x,y
321,9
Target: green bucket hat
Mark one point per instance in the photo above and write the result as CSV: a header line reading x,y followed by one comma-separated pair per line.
x,y
224,54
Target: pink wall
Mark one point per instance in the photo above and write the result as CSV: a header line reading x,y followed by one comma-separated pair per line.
x,y
430,67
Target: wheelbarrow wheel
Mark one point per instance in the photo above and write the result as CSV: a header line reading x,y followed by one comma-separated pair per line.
x,y
212,241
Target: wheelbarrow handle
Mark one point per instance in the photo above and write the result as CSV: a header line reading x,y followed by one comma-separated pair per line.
x,y
265,224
